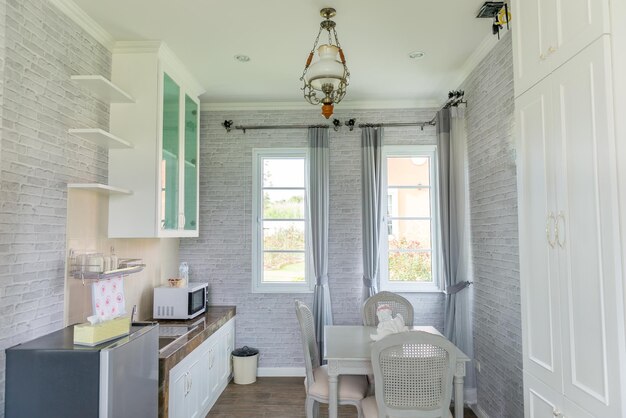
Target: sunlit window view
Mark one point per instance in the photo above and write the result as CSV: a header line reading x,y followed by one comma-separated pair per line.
x,y
283,220
409,219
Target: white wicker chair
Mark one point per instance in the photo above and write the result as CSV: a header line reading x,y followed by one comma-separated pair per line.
x,y
352,389
398,304
413,373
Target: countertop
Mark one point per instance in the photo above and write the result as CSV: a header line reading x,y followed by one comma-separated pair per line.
x,y
207,324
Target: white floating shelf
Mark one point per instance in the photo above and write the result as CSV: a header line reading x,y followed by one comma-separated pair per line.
x,y
99,188
103,88
101,138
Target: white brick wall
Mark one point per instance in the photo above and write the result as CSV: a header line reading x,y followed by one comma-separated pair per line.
x,y
493,201
222,253
38,158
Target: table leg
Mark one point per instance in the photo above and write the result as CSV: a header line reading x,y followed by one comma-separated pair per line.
x,y
332,395
458,397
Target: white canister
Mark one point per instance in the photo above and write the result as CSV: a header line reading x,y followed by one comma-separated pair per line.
x,y
96,264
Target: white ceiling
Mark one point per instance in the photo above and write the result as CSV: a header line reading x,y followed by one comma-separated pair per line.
x,y
278,35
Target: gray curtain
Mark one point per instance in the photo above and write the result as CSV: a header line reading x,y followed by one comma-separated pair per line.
x,y
318,207
455,233
372,206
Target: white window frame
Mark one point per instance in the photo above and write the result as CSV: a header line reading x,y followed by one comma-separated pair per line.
x,y
408,287
258,286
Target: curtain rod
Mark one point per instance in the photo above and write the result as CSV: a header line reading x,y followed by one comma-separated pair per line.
x,y
257,127
397,125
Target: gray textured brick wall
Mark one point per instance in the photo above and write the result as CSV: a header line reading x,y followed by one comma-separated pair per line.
x,y
222,254
493,201
38,158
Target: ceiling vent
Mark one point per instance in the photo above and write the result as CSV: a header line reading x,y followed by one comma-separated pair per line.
x,y
490,9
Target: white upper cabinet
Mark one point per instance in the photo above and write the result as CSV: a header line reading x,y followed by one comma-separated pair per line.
x,y
162,169
550,32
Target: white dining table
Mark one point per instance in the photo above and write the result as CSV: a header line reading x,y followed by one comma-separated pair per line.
x,y
348,351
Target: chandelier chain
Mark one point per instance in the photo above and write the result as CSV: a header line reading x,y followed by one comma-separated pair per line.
x,y
317,39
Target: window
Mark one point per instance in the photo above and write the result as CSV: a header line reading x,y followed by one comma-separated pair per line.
x,y
408,255
279,237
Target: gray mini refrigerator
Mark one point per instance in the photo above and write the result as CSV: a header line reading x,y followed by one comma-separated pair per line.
x,y
53,378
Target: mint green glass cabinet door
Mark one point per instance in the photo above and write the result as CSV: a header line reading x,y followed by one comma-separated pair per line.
x,y
170,154
191,164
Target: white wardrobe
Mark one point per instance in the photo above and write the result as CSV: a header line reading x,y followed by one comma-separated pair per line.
x,y
569,213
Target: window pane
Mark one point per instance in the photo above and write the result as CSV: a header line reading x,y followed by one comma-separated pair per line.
x,y
408,171
283,172
283,204
283,267
410,267
283,235
409,235
412,203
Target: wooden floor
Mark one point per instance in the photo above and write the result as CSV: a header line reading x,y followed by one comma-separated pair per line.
x,y
272,397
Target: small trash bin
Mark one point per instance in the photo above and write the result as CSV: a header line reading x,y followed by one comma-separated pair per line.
x,y
245,361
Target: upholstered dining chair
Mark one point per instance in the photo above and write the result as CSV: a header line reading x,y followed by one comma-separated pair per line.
x,y
352,389
413,374
397,303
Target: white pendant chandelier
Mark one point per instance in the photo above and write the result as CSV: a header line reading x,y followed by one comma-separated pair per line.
x,y
327,76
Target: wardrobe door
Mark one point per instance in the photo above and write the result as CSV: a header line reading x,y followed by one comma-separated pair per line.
x,y
588,230
578,23
534,32
540,400
537,233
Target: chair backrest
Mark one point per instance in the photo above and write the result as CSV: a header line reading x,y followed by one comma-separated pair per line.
x,y
309,342
397,303
413,374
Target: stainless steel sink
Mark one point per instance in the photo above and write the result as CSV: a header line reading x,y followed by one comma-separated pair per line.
x,y
170,334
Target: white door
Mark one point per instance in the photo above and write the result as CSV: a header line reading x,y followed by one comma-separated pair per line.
x,y
537,233
178,396
194,389
533,33
588,231
229,344
205,390
578,23
214,367
540,400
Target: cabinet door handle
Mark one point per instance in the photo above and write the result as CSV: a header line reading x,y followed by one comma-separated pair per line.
x,y
551,50
551,218
559,217
542,56
557,413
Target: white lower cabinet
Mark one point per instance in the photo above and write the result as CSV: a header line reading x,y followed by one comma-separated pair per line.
x,y
199,379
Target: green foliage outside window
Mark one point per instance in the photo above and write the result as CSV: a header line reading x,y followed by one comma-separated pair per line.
x,y
408,266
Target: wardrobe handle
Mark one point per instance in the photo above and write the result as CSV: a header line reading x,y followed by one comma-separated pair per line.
x,y
551,217
559,217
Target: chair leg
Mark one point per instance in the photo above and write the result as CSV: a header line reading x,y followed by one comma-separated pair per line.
x,y
359,410
312,408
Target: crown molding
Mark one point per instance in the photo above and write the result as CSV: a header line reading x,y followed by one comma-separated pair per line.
x,y
165,53
82,19
302,105
475,58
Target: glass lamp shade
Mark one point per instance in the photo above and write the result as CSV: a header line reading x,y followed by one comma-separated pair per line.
x,y
326,70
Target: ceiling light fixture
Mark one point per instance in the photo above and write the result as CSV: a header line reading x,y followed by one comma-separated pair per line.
x,y
242,58
327,75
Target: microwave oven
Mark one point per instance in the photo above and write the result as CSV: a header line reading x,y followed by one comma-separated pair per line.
x,y
180,302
